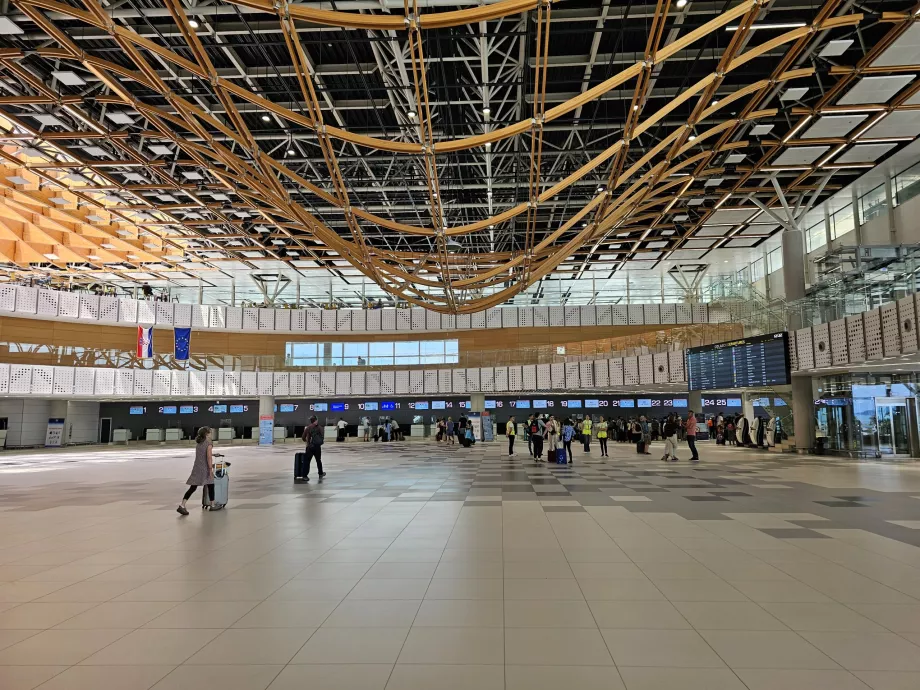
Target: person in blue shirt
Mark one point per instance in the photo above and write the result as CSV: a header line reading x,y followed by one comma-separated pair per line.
x,y
568,433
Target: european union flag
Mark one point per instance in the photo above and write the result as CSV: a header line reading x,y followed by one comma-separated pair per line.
x,y
183,342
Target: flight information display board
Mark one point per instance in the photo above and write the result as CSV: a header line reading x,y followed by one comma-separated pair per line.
x,y
762,360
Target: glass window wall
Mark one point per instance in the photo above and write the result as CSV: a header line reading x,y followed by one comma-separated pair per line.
x,y
399,353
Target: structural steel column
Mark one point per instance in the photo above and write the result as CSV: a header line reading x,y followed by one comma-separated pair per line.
x,y
803,405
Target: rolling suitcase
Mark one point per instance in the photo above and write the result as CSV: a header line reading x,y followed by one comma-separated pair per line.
x,y
561,457
300,463
221,487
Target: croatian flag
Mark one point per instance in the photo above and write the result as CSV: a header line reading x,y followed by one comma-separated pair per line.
x,y
144,341
183,341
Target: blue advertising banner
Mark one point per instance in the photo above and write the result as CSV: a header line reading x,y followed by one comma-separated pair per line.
x,y
266,429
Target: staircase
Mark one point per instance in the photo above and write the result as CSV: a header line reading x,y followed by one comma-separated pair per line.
x,y
746,305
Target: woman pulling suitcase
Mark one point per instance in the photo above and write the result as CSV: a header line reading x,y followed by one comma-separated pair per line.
x,y
202,471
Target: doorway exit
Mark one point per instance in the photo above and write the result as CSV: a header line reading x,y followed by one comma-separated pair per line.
x,y
105,430
896,420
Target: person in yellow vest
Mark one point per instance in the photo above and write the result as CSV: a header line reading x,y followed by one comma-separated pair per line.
x,y
586,434
510,432
602,437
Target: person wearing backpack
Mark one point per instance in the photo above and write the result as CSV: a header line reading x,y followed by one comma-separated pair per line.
x,y
536,438
568,434
670,440
586,433
510,432
313,437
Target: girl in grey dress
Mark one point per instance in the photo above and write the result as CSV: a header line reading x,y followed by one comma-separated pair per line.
x,y
202,471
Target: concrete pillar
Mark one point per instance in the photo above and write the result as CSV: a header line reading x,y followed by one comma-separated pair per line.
x,y
266,420
803,405
58,410
747,405
695,401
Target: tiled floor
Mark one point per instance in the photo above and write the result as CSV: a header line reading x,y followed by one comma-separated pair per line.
x,y
415,567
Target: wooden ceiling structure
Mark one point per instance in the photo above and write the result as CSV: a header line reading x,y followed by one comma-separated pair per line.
x,y
135,139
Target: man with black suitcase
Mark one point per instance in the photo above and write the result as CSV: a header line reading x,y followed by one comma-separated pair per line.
x,y
313,437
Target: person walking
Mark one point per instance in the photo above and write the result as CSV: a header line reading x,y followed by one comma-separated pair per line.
x,y
341,430
646,434
510,432
670,439
586,427
536,439
313,437
602,436
551,432
202,471
690,428
367,429
529,438
568,435
397,434
450,431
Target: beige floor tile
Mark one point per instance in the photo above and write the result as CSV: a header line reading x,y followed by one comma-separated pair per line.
x,y
764,591
605,589
728,615
548,614
524,570
514,554
333,677
546,589
652,678
470,556
555,677
225,677
58,647
479,613
798,679
253,646
679,648
94,592
465,588
446,677
117,614
397,555
460,645
108,677
390,589
651,615
351,556
899,618
461,569
859,651
612,570
556,647
890,680
11,573
202,614
400,571
766,649
153,647
27,677
333,571
368,613
822,617
605,554
352,646
10,637
758,570
38,616
70,573
699,590
286,614
18,592
677,571
132,573
164,591
313,590
230,590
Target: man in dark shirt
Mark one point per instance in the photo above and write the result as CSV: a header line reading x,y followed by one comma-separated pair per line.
x,y
313,437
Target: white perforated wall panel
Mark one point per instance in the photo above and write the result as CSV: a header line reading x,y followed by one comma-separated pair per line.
x,y
501,380
601,373
445,381
42,380
676,373
478,320
572,315
907,324
266,319
586,374
472,380
821,335
250,319
327,383
719,314
529,377
588,316
616,371
510,317
572,375
494,317
218,315
793,354
891,333
234,318
403,319
604,315
215,383
540,317
48,303
105,382
557,375
525,317
143,382
684,313
856,340
69,307
315,319
165,313
280,381
265,383
357,383
26,300
630,371
431,381
619,315
543,377
5,378
872,329
84,380
700,313
556,316
636,314
327,319
124,382
668,313
646,369
402,382
63,381
298,320
372,383
432,320
515,378
660,362
343,383
839,353
182,315
231,383
387,319
343,319
295,383
805,348
387,383
417,382
89,307
459,381
652,313
359,320
197,383
487,379
419,319
7,297
448,322
249,383
283,319
161,382
201,316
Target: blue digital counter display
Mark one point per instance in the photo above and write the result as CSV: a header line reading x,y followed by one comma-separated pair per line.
x,y
287,407
136,410
169,409
371,406
237,409
438,405
421,405
645,402
522,404
592,403
573,403
490,404
388,406
218,408
627,403
187,409
679,402
320,407
338,407
539,404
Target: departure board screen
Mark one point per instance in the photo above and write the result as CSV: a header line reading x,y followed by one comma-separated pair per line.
x,y
745,363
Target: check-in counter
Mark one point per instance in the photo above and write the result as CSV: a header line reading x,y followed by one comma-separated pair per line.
x,y
174,434
154,435
226,433
420,430
121,436
279,433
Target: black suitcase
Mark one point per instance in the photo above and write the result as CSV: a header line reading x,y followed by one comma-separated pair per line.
x,y
300,464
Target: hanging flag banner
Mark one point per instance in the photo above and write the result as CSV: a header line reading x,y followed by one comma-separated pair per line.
x,y
144,341
183,338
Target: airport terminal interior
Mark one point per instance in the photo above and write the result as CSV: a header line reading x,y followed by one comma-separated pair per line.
x,y
459,344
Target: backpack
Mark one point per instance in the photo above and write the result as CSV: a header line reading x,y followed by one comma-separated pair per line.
x,y
316,435
534,428
567,433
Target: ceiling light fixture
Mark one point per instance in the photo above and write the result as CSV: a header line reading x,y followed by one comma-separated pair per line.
x,y
192,23
635,107
487,111
266,118
681,4
691,137
488,145
411,114
290,152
